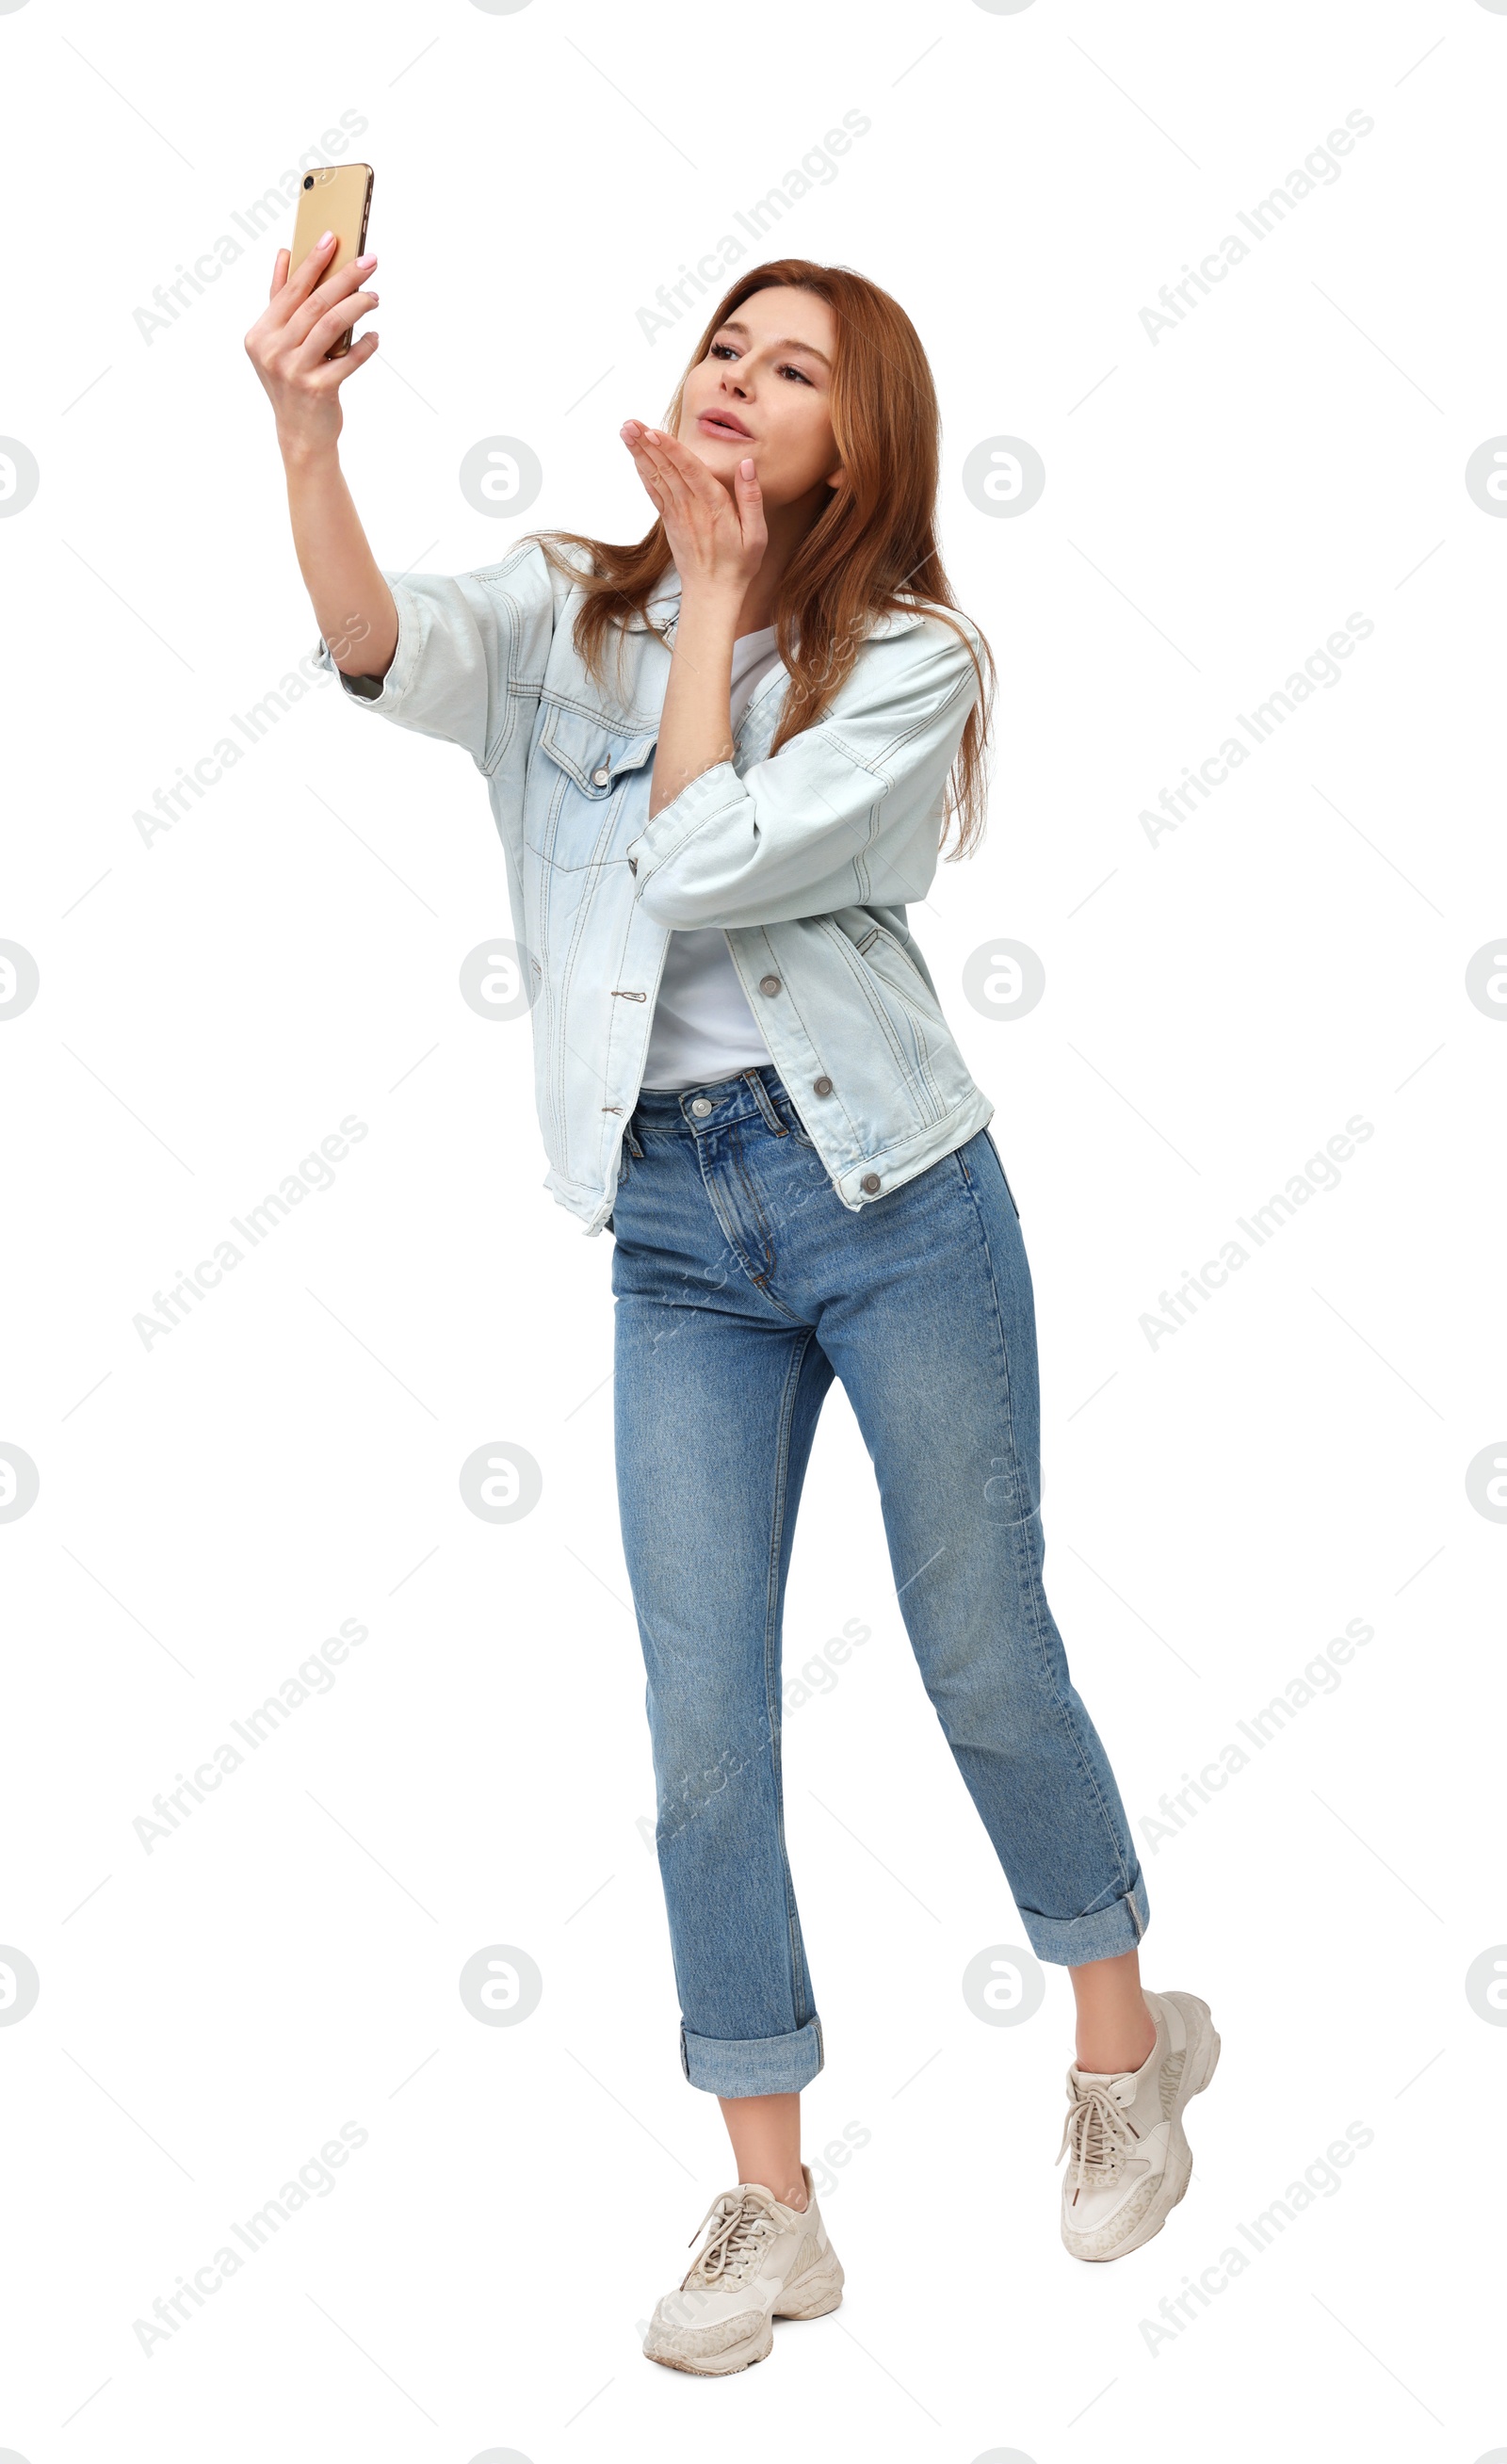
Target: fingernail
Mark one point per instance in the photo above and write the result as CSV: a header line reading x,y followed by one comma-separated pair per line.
x,y
629,428
324,239
362,262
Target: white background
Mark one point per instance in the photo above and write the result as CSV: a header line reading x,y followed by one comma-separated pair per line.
x,y
212,1003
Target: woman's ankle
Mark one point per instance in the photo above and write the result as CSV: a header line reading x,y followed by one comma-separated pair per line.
x,y
1116,2029
1111,2049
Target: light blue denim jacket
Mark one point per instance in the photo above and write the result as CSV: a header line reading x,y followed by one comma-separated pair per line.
x,y
806,861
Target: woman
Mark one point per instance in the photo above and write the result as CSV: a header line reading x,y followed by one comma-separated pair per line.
x,y
721,760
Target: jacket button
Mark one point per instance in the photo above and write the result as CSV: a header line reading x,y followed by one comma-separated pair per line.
x,y
822,1087
870,1182
769,984
600,777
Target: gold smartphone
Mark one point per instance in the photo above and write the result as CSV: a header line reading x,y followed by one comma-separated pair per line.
x,y
334,197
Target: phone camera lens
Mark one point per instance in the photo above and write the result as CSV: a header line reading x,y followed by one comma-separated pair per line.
x,y
309,182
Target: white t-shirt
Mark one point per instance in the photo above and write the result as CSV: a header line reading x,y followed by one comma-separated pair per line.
x,y
703,1027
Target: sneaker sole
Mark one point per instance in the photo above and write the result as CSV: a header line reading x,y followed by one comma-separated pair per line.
x,y
1196,2076
810,2296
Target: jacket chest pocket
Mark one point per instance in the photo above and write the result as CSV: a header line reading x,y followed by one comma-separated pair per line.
x,y
584,801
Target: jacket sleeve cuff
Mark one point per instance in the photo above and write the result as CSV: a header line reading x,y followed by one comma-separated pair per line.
x,y
384,694
704,799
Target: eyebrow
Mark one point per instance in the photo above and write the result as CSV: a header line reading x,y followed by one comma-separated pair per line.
x,y
734,325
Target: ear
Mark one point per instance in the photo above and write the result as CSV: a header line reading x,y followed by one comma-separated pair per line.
x,y
837,479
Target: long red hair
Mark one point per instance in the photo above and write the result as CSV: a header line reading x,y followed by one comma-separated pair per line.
x,y
873,549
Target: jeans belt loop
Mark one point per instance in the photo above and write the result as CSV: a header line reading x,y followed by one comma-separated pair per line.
x,y
761,1099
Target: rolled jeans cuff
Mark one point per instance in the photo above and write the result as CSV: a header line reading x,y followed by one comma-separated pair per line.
x,y
752,2065
1070,1942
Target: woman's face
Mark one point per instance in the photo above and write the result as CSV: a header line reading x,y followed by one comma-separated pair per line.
x,y
764,389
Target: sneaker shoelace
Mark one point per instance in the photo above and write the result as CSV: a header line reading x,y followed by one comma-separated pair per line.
x,y
1099,2132
742,2229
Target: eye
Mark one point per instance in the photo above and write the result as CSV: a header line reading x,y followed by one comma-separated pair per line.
x,y
788,371
722,351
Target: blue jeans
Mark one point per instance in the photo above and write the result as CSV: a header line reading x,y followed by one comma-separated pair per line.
x,y
743,1286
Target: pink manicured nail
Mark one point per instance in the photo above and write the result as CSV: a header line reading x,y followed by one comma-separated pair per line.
x,y
324,239
363,262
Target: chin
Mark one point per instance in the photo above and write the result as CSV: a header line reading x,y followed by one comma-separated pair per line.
x,y
720,454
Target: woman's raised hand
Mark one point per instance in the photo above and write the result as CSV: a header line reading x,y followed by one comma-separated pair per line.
x,y
286,346
717,536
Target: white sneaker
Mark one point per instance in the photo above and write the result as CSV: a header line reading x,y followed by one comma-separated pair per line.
x,y
1131,2160
760,2261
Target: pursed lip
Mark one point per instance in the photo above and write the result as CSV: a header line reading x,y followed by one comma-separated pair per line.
x,y
722,423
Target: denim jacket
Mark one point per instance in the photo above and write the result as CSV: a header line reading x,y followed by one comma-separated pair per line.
x,y
807,862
